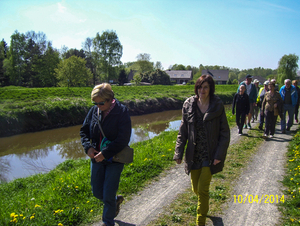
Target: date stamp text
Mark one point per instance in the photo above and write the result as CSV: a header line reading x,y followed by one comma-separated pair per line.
x,y
258,199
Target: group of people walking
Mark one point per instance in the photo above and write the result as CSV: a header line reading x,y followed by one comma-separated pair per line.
x,y
202,140
271,102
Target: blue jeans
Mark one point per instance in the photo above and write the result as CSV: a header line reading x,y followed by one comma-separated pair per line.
x,y
290,109
105,178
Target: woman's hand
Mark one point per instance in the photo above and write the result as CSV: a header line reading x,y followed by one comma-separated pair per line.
x,y
99,157
216,161
92,152
178,161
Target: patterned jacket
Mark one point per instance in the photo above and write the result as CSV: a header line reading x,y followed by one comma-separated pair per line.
x,y
217,130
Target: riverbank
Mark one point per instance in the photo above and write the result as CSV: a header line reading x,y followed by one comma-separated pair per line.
x,y
34,109
64,196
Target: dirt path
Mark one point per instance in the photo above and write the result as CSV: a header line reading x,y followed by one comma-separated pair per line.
x,y
260,177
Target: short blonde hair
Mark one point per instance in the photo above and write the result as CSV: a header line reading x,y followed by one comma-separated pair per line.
x,y
104,91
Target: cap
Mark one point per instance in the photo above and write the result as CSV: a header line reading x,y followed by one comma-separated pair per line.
x,y
248,76
266,82
256,81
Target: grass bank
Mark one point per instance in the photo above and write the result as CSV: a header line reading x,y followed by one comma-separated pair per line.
x,y
33,109
291,207
63,196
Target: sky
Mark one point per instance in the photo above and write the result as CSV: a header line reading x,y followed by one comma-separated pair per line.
x,y
239,34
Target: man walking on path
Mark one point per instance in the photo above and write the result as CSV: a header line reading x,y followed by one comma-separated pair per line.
x,y
252,93
289,96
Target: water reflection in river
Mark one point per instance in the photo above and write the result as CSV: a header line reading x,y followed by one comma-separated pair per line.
x,y
27,154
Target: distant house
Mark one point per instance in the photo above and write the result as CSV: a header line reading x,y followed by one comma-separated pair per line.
x,y
220,76
180,76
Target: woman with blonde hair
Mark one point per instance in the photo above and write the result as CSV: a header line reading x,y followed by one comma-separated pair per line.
x,y
115,121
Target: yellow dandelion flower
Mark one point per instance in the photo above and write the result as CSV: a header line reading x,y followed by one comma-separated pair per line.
x,y
36,206
60,224
91,211
145,159
24,218
12,214
292,178
292,219
31,217
87,201
76,186
21,215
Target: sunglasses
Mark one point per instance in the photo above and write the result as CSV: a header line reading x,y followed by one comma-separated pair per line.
x,y
99,103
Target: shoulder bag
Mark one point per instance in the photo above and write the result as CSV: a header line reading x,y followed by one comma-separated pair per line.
x,y
124,156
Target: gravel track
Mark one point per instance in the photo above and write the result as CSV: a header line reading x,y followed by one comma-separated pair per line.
x,y
261,177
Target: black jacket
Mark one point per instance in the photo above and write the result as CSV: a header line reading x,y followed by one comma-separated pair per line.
x,y
241,102
116,127
217,130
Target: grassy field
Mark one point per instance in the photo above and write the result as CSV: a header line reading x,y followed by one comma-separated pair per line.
x,y
63,196
32,109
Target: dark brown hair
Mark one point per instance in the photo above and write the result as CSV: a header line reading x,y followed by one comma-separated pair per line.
x,y
209,80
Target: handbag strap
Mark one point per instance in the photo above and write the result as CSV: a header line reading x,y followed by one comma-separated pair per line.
x,y
100,124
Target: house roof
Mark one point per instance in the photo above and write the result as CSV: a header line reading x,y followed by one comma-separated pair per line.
x,y
218,75
176,74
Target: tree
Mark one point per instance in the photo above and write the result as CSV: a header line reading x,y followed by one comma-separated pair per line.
x,y
90,62
74,52
158,65
51,60
108,52
232,76
241,75
3,55
287,67
143,63
16,64
122,77
72,72
156,77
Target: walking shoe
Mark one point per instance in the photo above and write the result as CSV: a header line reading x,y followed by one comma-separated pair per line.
x,y
288,128
249,126
120,199
265,136
240,134
245,126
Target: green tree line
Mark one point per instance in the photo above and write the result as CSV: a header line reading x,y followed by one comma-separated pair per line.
x,y
30,60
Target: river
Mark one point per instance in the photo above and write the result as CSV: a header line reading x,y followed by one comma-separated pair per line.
x,y
31,153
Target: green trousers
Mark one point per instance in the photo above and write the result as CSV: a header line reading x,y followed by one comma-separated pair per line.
x,y
200,184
